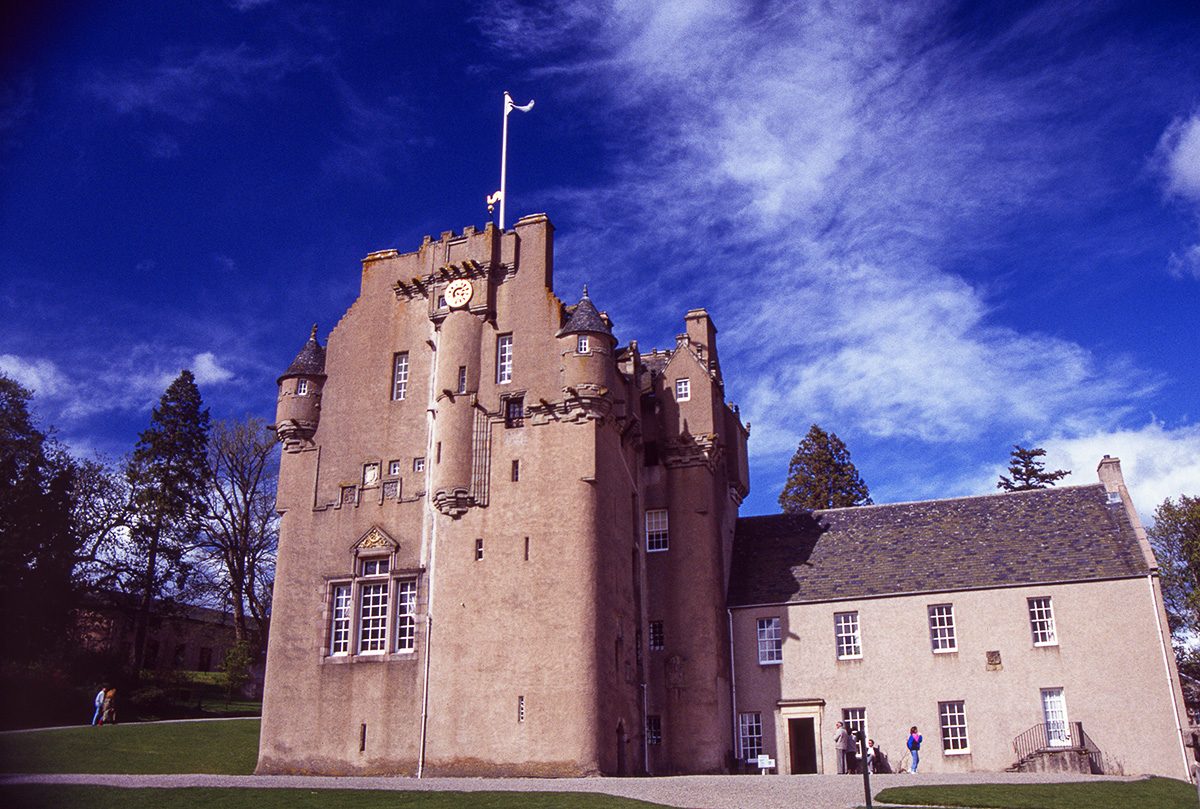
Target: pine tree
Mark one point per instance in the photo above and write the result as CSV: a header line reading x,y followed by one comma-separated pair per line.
x,y
821,475
168,473
1028,472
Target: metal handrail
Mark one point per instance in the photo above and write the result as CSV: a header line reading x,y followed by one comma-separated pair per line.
x,y
1052,736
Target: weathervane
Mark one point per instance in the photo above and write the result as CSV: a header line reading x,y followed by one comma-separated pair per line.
x,y
499,196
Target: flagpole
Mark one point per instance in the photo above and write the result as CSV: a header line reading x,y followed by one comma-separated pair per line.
x,y
501,196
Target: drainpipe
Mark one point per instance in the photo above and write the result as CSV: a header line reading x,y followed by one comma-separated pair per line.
x,y
1167,667
645,741
733,687
425,696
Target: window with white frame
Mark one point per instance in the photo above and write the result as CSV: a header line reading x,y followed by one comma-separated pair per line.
x,y
750,735
394,467
301,387
653,729
339,630
581,344
406,615
462,379
941,628
683,390
1041,621
400,376
855,719
770,641
845,629
504,358
418,464
953,718
657,637
372,618
657,534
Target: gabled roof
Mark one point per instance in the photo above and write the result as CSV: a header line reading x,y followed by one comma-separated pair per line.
x,y
309,362
1043,536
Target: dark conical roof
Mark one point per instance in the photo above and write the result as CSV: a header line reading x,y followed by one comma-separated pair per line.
x,y
309,362
584,318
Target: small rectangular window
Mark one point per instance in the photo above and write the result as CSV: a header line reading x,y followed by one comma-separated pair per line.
x,y
462,379
941,628
521,708
504,359
683,390
657,533
375,567
855,719
406,616
953,719
514,411
478,549
653,730
581,345
301,387
849,642
770,641
400,376
750,736
394,467
418,464
516,471
657,638
1041,622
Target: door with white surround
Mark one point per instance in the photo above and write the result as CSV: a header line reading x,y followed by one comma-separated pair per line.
x,y
1054,709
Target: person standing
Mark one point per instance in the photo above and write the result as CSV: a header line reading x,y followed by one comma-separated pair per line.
x,y
843,740
98,716
110,706
914,745
872,757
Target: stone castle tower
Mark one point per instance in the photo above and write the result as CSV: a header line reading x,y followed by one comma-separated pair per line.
x,y
505,539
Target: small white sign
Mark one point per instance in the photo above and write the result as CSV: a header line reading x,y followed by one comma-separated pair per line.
x,y
765,762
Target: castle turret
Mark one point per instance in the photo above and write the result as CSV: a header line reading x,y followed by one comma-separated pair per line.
x,y
298,410
587,343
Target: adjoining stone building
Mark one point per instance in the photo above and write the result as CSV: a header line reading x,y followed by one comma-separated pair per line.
x,y
1023,629
490,512
508,547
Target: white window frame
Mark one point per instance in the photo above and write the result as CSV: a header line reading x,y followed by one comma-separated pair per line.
x,y
942,635
301,387
394,467
658,533
770,641
847,636
406,615
952,719
462,379
504,359
373,616
750,736
855,719
341,618
1041,621
399,376
683,389
582,344
419,464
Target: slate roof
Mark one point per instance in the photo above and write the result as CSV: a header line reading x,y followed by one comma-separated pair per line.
x,y
309,362
584,318
1050,535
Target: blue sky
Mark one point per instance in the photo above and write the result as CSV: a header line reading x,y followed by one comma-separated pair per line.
x,y
934,228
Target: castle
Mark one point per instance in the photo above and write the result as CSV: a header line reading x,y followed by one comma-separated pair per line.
x,y
511,546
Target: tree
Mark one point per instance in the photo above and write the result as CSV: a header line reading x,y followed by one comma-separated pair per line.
x,y
1028,472
822,476
167,473
241,530
37,540
1175,536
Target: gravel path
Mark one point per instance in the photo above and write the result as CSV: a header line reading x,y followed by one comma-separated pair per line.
x,y
684,792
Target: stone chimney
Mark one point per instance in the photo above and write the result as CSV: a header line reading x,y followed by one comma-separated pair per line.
x,y
1114,483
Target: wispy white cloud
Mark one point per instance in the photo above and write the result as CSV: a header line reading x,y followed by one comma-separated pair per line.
x,y
38,375
1178,157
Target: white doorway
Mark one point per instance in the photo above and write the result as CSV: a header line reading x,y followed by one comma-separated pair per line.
x,y
1054,709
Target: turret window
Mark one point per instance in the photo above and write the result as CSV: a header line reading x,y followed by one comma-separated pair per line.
x,y
462,379
656,530
581,346
301,387
504,358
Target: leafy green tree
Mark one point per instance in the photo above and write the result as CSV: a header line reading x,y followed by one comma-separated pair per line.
x,y
1028,472
236,667
1175,537
240,532
37,538
821,475
167,474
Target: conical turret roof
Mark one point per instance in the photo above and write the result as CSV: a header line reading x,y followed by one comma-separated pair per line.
x,y
584,318
309,362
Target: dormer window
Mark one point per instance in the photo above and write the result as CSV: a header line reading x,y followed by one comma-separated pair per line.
x,y
375,567
581,344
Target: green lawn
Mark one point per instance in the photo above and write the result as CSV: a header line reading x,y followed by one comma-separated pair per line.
x,y
1151,793
228,747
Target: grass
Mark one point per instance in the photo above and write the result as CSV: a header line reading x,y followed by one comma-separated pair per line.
x,y
228,747
1150,793
63,796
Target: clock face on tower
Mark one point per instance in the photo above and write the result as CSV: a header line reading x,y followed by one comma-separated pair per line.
x,y
458,293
